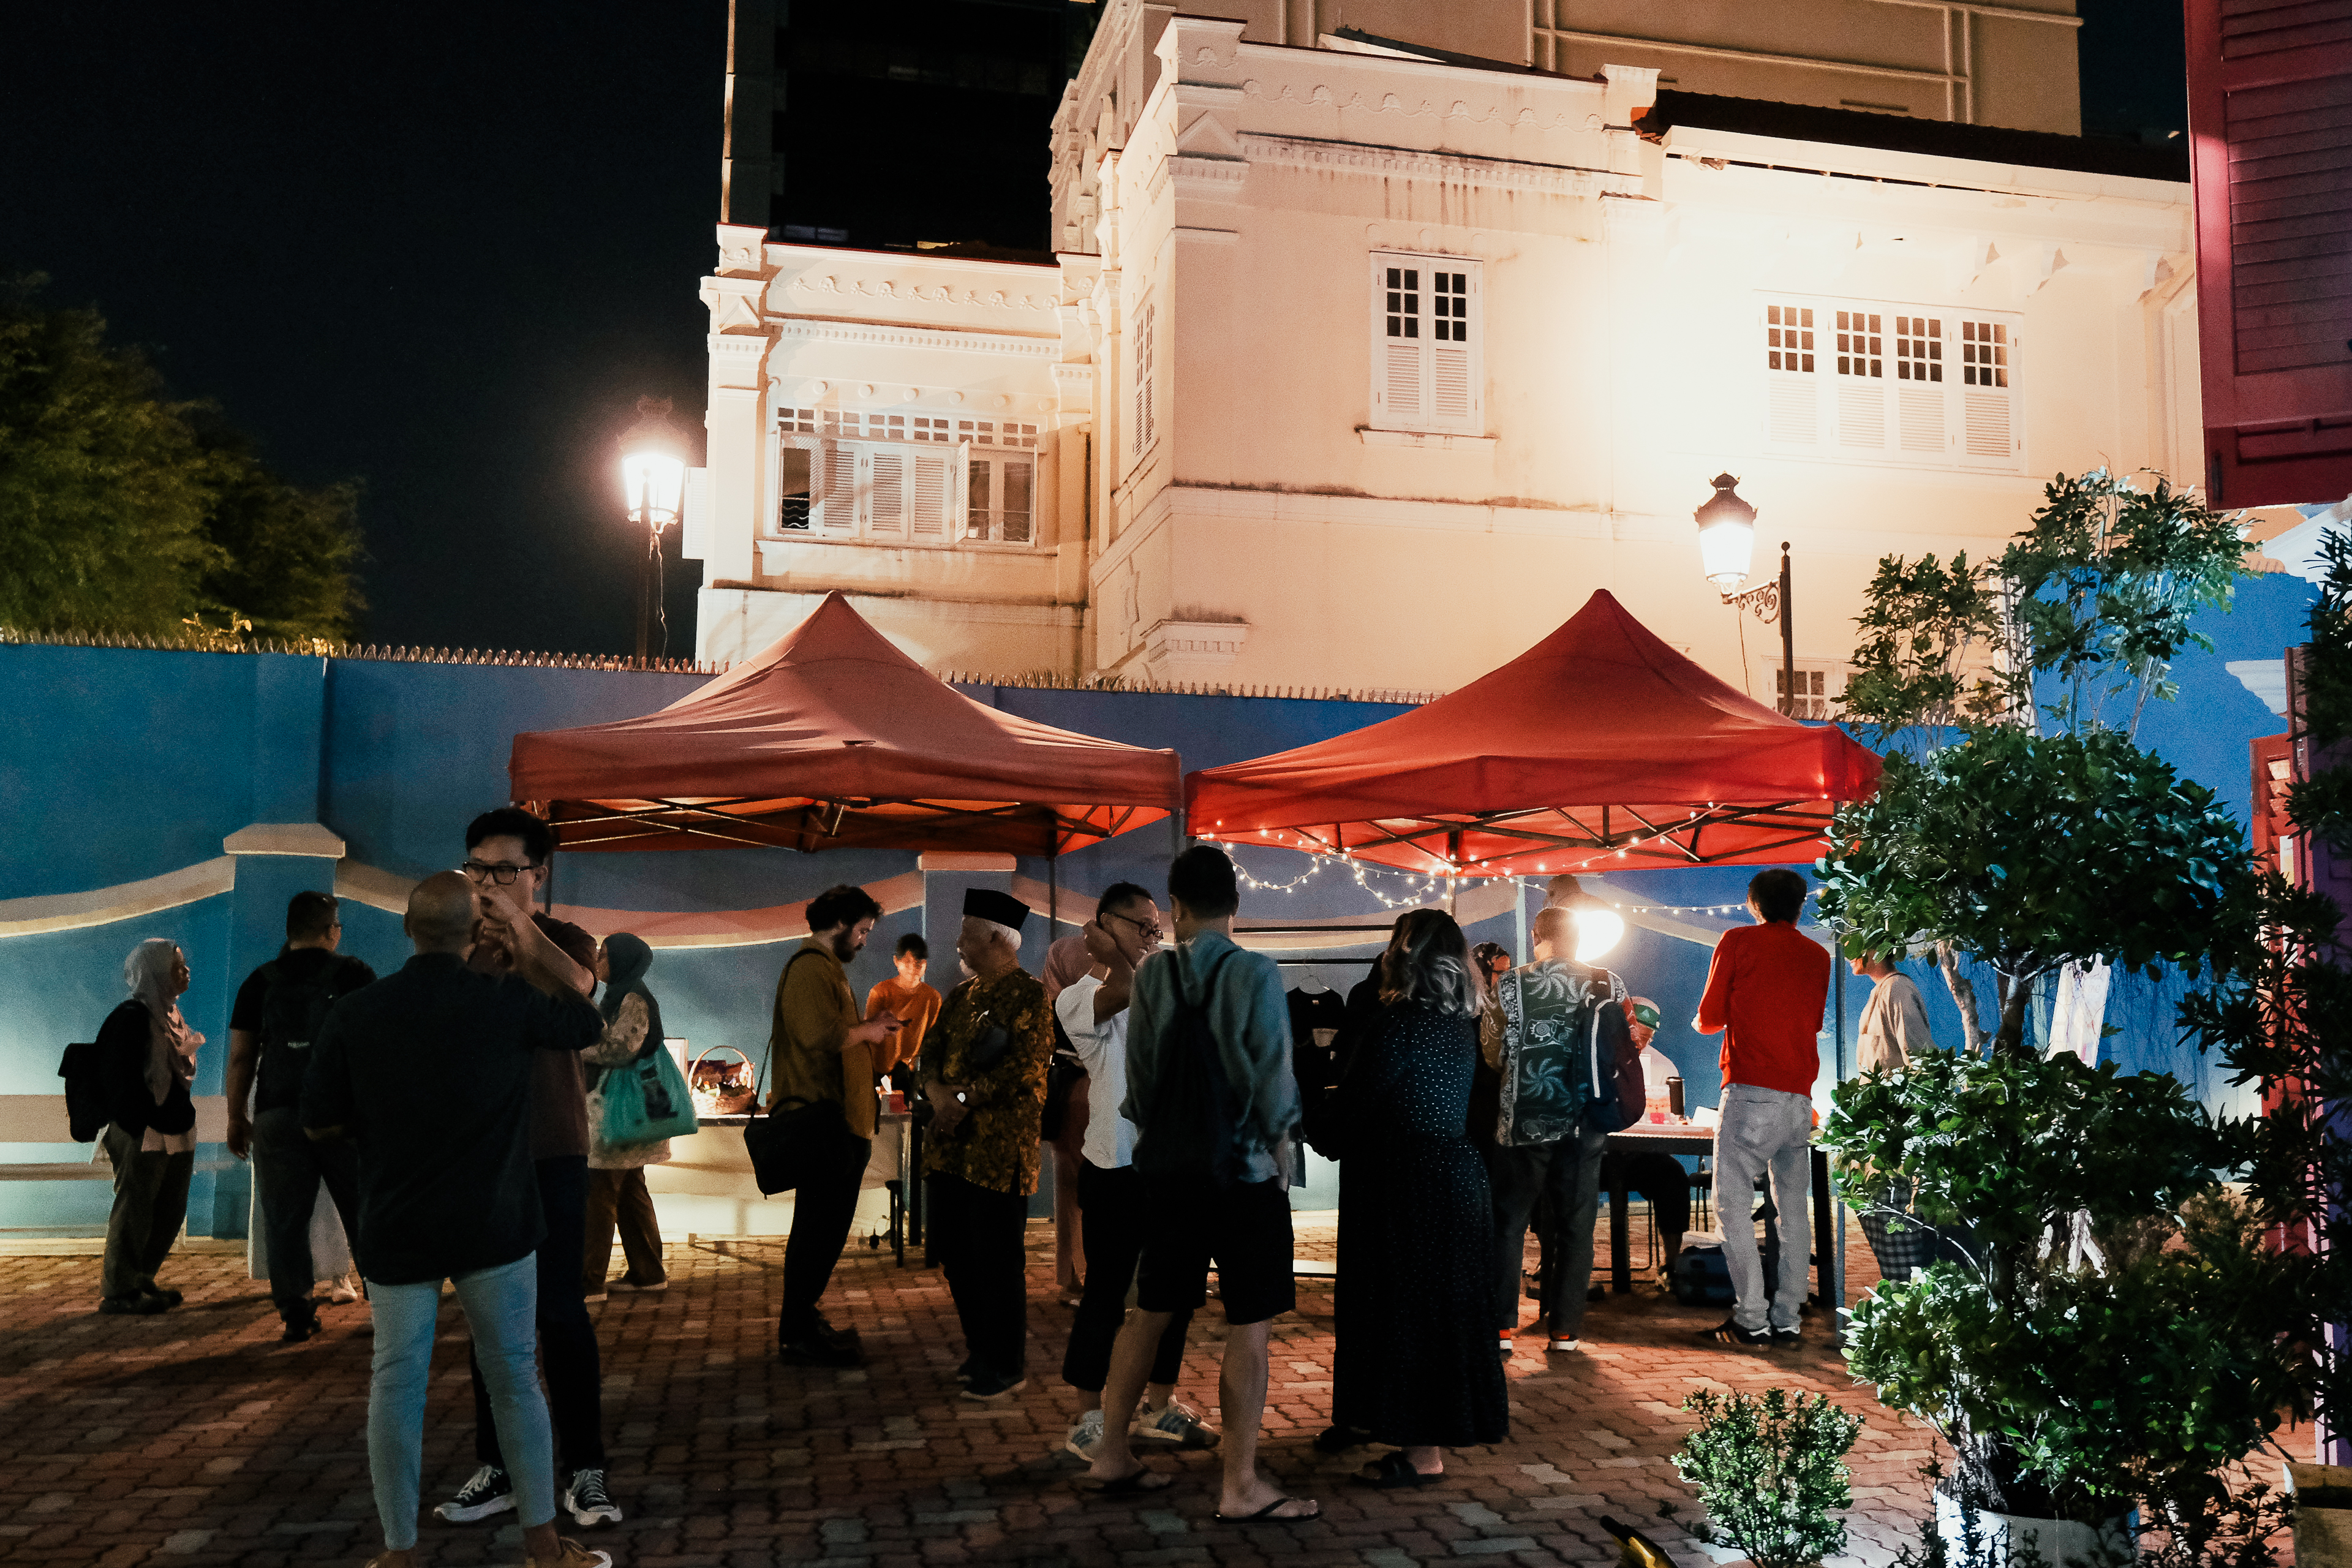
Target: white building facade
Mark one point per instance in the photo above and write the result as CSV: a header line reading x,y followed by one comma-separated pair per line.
x,y
1361,369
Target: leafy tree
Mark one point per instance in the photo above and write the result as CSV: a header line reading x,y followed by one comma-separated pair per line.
x,y
2025,828
2031,851
123,510
2322,803
102,499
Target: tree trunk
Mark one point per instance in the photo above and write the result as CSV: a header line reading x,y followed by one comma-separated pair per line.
x,y
2017,995
1964,994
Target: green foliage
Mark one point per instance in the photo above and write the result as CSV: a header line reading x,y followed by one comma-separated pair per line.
x,y
124,511
2323,802
2279,1017
1921,624
288,555
2116,1329
1771,1472
2031,851
2102,587
102,499
2096,594
2013,1147
2200,1524
2088,1386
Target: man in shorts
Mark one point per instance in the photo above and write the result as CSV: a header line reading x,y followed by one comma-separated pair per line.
x,y
1215,1160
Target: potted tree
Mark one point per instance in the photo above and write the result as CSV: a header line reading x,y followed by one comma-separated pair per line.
x,y
2109,1323
1770,1472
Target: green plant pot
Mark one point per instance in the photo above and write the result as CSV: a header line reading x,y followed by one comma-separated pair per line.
x,y
2062,1542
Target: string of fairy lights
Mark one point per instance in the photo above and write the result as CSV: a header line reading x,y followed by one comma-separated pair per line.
x,y
1420,887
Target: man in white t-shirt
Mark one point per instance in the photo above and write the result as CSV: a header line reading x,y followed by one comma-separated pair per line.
x,y
1092,1011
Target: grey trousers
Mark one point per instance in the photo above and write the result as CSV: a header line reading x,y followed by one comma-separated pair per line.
x,y
150,1200
1763,1129
288,1168
1568,1174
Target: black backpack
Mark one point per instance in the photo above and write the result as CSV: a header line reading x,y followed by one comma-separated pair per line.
x,y
1194,1112
86,1114
292,1009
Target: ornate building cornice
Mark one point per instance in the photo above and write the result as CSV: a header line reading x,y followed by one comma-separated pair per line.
x,y
1445,168
867,334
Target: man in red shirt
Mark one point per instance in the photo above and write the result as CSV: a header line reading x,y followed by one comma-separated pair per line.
x,y
1765,990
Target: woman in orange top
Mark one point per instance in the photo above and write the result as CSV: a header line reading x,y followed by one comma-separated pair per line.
x,y
906,996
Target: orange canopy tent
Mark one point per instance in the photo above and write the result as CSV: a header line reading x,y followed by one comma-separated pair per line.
x,y
1598,749
833,739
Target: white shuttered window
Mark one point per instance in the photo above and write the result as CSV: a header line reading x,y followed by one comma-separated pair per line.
x,y
895,478
1146,405
1906,385
1427,336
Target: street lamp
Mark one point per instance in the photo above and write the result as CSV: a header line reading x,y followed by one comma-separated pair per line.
x,y
1727,544
653,487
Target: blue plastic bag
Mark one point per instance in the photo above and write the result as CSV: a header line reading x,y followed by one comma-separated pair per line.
x,y
645,1102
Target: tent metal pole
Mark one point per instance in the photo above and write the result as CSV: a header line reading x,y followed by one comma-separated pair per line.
x,y
1052,895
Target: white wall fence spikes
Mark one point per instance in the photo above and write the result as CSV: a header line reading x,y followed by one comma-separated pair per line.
x,y
1039,680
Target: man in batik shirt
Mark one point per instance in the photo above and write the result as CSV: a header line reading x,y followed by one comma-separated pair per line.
x,y
1560,1028
984,1073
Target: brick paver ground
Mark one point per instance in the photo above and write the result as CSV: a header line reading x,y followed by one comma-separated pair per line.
x,y
196,1438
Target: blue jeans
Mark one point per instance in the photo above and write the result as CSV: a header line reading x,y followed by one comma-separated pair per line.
x,y
1763,1129
499,1306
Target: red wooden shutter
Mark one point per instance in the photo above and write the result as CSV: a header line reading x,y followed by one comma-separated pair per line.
x,y
2270,113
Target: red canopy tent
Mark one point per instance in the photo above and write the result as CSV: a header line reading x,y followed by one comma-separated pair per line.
x,y
1600,748
833,739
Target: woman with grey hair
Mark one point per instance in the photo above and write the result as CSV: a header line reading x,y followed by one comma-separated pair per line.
x,y
148,1057
1414,1362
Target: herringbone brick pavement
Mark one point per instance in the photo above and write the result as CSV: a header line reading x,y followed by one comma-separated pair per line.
x,y
195,1437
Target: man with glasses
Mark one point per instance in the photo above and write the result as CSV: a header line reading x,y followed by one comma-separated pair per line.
x,y
507,849
277,1013
1125,932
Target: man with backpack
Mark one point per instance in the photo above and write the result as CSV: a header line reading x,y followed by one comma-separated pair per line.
x,y
277,1012
1561,1053
1214,1101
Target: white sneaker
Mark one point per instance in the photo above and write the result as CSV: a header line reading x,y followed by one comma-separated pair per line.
x,y
1085,1433
344,1291
1176,1423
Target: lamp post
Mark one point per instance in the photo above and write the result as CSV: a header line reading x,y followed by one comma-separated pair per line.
x,y
1727,544
653,487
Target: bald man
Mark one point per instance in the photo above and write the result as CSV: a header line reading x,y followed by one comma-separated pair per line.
x,y
429,1072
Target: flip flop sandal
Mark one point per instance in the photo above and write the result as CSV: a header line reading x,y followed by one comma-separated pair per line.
x,y
1393,1469
1267,1516
1132,1484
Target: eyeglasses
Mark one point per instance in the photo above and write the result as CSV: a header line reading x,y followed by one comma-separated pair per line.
x,y
1145,928
503,876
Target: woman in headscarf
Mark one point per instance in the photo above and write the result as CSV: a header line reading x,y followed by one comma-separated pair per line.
x,y
148,1054
616,1173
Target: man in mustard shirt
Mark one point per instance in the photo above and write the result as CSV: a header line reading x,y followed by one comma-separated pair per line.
x,y
820,1051
984,1073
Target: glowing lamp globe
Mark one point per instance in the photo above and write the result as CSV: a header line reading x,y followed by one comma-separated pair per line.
x,y
1726,535
1598,929
653,467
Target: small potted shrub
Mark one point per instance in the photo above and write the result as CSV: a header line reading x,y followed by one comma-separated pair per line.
x,y
1770,1472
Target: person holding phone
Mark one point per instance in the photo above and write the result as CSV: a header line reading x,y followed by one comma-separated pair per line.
x,y
822,1050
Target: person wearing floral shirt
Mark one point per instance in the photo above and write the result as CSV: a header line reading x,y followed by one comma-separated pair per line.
x,y
983,1072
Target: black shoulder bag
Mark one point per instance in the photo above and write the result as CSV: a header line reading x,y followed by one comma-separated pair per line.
x,y
789,1142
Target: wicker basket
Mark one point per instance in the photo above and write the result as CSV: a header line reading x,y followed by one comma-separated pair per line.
x,y
723,1088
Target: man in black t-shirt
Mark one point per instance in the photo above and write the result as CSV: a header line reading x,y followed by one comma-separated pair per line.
x,y
278,1010
429,1072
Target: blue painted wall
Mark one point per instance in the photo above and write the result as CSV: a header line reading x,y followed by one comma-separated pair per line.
x,y
125,765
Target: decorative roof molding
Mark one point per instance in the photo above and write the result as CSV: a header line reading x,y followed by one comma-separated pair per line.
x,y
1445,168
1319,96
867,334
937,294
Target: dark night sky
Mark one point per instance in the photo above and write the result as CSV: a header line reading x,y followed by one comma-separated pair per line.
x,y
444,247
